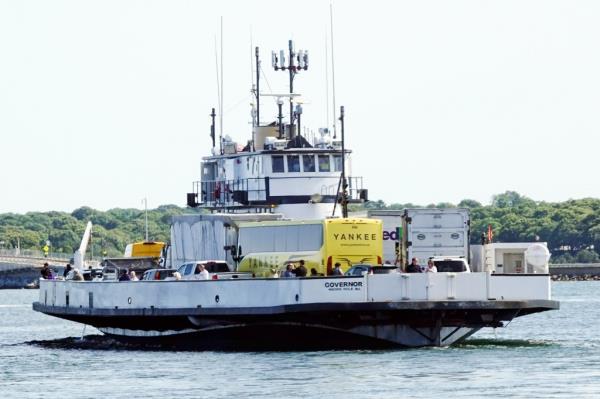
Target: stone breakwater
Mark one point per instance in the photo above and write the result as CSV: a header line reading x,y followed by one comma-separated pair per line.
x,y
575,272
566,277
18,275
24,272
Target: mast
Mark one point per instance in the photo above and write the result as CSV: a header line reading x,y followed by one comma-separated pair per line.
x,y
212,129
222,94
257,90
344,181
291,69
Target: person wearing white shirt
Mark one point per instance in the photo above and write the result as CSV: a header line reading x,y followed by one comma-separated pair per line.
x,y
431,268
201,273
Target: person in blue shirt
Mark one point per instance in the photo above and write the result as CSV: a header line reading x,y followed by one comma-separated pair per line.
x,y
288,273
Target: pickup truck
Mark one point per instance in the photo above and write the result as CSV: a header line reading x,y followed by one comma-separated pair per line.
x,y
158,274
217,269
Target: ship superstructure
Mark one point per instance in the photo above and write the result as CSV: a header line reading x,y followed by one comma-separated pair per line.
x,y
279,169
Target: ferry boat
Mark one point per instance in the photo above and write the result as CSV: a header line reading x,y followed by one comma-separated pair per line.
x,y
279,180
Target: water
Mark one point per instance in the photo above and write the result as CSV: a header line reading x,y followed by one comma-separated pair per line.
x,y
552,354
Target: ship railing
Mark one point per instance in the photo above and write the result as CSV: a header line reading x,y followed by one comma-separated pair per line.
x,y
356,193
255,192
20,253
228,193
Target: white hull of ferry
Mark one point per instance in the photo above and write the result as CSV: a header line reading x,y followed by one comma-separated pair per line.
x,y
407,310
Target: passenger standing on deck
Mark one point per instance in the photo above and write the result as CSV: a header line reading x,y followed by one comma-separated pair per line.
x,y
45,272
431,268
77,276
68,268
301,271
288,273
124,276
414,266
133,276
201,272
337,270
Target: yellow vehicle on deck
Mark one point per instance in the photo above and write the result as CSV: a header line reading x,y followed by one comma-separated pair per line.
x,y
264,248
144,249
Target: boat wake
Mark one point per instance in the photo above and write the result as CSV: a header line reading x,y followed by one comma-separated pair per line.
x,y
95,342
103,342
491,343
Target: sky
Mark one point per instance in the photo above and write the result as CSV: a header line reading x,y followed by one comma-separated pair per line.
x,y
104,103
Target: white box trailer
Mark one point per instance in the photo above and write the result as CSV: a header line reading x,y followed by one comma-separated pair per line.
x,y
423,233
208,236
429,232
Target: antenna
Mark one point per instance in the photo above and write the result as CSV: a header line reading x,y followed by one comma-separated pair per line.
x,y
326,83
145,201
251,63
296,62
219,97
222,94
280,117
332,69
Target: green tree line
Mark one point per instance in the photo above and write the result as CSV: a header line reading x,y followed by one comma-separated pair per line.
x,y
571,228
112,230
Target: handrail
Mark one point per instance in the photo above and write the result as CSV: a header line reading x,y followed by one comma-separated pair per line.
x,y
249,192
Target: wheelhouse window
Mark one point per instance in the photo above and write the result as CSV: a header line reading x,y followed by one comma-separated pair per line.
x,y
293,163
308,162
277,164
324,165
337,163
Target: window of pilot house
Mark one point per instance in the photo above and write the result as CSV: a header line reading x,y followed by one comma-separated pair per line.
x,y
324,163
293,163
308,162
277,164
337,163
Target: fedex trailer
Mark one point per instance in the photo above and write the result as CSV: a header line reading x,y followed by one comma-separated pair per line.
x,y
423,233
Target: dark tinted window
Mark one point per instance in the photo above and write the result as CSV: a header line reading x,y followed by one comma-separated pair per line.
x,y
293,163
337,163
277,164
453,266
217,267
357,270
161,274
324,163
308,163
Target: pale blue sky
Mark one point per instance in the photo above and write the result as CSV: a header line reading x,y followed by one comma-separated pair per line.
x,y
103,103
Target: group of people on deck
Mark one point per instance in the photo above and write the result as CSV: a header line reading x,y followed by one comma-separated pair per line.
x,y
414,267
291,270
131,276
69,273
